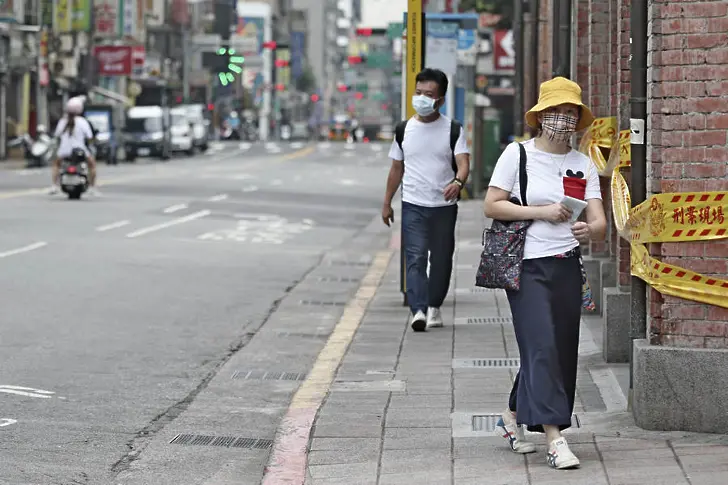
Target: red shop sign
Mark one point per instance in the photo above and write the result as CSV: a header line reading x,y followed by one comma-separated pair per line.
x,y
113,60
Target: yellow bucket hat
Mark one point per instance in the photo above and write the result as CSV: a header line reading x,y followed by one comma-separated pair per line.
x,y
559,90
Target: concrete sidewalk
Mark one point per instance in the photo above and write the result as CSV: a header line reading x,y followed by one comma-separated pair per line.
x,y
409,408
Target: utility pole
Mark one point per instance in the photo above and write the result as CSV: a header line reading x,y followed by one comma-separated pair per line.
x,y
518,78
561,48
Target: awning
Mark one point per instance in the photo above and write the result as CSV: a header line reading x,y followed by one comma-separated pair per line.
x,y
111,95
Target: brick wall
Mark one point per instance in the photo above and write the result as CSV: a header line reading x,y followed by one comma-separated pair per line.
x,y
544,54
688,150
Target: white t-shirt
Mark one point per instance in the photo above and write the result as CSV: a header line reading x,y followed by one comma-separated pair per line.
x,y
545,186
74,139
427,161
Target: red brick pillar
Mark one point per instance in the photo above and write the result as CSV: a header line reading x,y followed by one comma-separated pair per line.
x,y
687,151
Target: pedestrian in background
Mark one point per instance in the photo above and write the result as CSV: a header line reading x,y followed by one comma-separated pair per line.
x,y
422,156
547,309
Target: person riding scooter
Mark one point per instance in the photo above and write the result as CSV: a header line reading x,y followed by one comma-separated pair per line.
x,y
74,131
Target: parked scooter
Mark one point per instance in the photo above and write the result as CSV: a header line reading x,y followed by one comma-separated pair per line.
x,y
75,174
42,149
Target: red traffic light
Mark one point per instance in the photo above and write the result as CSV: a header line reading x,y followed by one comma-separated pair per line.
x,y
270,44
281,63
179,99
365,32
210,107
342,88
359,95
314,97
280,87
355,59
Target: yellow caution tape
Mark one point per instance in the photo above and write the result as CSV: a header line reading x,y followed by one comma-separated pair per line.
x,y
669,217
597,142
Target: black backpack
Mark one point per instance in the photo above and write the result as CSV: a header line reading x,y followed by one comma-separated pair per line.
x,y
455,129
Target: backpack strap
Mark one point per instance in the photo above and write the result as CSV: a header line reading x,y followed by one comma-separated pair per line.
x,y
455,129
522,176
399,133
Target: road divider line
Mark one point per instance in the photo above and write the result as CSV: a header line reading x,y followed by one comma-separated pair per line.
x,y
175,208
300,153
287,463
164,225
24,249
218,198
113,225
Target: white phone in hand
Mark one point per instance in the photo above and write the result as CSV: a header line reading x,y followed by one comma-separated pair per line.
x,y
576,206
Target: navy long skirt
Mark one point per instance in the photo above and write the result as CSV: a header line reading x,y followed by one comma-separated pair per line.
x,y
546,316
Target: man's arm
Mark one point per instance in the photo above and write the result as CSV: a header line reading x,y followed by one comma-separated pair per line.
x,y
462,161
394,179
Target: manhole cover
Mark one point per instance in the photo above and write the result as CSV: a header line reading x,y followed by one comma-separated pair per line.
x,y
486,363
355,386
337,279
222,441
269,376
485,423
483,320
322,303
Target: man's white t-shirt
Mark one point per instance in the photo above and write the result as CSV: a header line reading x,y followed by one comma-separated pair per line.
x,y
545,187
427,161
75,138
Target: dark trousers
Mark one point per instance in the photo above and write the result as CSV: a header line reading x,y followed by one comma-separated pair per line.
x,y
546,316
428,230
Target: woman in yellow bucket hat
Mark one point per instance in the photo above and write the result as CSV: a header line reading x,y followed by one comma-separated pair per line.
x,y
546,309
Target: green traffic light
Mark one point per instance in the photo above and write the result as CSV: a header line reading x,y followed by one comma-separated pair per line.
x,y
237,59
223,78
236,69
230,77
221,51
231,52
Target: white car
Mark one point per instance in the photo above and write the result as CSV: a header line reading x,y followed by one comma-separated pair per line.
x,y
181,131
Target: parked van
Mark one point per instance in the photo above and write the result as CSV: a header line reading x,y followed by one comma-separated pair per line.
x,y
147,133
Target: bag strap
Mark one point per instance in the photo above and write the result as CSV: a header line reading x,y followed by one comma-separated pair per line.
x,y
455,129
399,133
522,176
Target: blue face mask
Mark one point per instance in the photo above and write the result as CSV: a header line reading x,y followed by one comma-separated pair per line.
x,y
423,105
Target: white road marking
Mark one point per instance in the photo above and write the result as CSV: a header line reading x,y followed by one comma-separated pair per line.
x,y
218,198
296,145
113,225
260,228
376,147
276,182
174,222
348,155
245,145
350,146
7,422
24,249
297,178
348,182
242,176
609,388
249,188
175,208
324,145
26,391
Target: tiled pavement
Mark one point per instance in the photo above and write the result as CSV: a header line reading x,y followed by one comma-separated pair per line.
x,y
416,409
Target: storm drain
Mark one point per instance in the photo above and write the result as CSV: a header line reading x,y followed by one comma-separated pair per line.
x,y
222,441
476,290
337,279
486,422
505,363
268,376
483,320
322,303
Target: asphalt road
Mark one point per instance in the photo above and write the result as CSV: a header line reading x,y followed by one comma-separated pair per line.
x,y
121,315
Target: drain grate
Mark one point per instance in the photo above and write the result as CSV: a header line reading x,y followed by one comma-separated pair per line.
x,y
337,279
486,422
483,320
319,336
504,363
222,441
322,303
268,376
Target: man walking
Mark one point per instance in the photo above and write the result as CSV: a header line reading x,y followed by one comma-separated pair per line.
x,y
430,158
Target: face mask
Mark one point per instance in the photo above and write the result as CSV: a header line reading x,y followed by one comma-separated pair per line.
x,y
423,105
558,127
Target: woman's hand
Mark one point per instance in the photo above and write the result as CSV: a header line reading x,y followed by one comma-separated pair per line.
x,y
582,232
555,213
